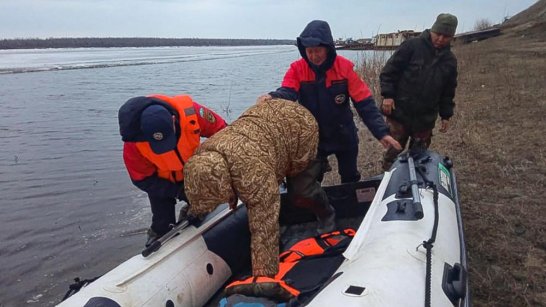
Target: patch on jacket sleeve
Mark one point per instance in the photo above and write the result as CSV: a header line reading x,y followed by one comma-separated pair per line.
x,y
189,111
207,114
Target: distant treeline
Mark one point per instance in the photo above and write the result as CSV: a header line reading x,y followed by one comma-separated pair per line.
x,y
89,42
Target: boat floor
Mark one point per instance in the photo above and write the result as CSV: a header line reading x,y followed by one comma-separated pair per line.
x,y
291,234
351,202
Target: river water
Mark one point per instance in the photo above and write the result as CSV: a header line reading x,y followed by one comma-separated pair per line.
x,y
67,206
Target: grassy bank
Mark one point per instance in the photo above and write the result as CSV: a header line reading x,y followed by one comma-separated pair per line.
x,y
496,141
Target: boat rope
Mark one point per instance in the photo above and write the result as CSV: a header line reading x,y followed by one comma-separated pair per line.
x,y
77,285
429,244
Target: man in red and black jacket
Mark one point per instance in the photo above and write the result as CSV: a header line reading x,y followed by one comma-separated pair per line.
x,y
160,133
324,82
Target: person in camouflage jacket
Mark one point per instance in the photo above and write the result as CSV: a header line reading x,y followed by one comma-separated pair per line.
x,y
248,160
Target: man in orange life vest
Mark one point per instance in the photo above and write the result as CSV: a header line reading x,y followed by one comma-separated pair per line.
x,y
160,133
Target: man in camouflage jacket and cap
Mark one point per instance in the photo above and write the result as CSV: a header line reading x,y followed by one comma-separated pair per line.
x,y
248,160
417,84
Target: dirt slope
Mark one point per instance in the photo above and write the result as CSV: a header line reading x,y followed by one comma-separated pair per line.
x,y
498,141
530,22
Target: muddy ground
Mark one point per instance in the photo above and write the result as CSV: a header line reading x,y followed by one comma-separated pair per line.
x,y
496,140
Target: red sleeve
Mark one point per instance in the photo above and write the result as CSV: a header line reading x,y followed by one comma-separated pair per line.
x,y
209,121
291,79
358,89
137,166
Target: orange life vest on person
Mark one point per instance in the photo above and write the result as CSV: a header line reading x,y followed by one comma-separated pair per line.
x,y
170,165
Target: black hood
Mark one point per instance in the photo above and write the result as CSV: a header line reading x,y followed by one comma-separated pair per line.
x,y
129,116
317,33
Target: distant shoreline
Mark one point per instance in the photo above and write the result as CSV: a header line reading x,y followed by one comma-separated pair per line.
x,y
92,42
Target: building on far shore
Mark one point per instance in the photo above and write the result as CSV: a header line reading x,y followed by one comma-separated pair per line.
x,y
387,41
393,40
350,44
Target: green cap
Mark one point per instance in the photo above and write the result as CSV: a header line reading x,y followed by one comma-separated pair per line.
x,y
445,24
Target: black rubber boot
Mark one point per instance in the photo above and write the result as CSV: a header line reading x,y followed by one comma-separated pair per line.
x,y
327,221
152,237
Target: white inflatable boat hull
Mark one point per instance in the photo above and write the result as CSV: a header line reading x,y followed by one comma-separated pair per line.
x,y
384,265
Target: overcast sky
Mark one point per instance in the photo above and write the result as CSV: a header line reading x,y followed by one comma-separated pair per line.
x,y
274,19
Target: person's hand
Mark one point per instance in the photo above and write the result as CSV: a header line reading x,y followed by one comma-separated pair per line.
x,y
444,125
387,106
264,98
388,141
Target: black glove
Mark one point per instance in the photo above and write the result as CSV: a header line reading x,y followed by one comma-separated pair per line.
x,y
192,219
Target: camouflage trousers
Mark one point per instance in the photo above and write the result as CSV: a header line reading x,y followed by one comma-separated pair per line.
x,y
421,139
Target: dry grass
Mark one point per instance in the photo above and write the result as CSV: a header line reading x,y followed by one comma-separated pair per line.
x,y
502,171
369,67
496,141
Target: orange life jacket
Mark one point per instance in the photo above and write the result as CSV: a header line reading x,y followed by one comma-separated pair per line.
x,y
170,165
315,245
323,245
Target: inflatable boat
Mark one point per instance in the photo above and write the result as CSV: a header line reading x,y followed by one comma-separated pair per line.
x,y
407,249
